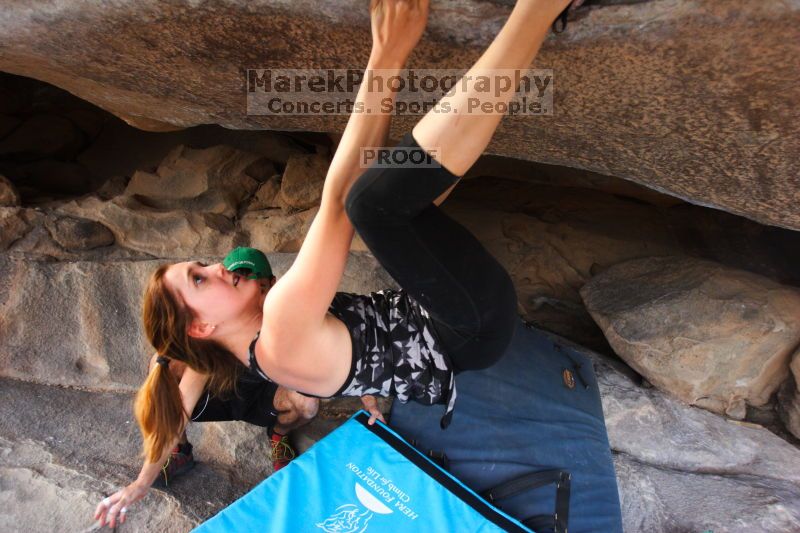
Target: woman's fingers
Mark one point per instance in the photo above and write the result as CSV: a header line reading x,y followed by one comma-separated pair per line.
x,y
111,517
113,509
101,511
114,512
371,405
375,415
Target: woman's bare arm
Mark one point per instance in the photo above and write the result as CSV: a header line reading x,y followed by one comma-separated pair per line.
x,y
191,386
295,308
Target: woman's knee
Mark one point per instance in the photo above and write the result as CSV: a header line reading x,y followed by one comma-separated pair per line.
x,y
480,353
301,406
308,407
497,330
492,345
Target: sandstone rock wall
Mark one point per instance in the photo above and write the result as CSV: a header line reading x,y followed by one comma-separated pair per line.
x,y
696,98
715,337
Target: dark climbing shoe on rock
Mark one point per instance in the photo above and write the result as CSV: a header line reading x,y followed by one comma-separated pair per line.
x,y
180,461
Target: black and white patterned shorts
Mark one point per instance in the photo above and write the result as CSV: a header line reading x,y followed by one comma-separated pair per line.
x,y
396,350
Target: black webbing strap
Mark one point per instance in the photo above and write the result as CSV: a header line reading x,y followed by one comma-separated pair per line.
x,y
440,458
558,520
542,522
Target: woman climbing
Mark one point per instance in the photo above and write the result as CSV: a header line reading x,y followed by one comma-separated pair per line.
x,y
251,400
456,309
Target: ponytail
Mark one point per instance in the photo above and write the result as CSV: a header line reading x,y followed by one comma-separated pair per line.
x,y
159,407
159,411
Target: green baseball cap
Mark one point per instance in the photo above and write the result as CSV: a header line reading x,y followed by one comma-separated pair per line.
x,y
250,258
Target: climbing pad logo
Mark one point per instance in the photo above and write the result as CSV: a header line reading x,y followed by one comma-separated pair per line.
x,y
351,518
280,91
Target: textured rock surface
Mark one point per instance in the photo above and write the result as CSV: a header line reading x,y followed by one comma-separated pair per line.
x,y
99,342
12,226
79,234
267,195
63,450
696,98
164,233
680,468
658,499
39,234
8,193
42,234
301,186
553,240
213,180
269,230
715,337
789,398
237,445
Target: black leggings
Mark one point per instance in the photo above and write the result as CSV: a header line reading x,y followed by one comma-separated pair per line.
x,y
467,292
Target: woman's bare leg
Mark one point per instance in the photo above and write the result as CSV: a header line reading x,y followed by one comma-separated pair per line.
x,y
460,137
432,257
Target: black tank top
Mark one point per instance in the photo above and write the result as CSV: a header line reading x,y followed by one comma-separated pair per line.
x,y
396,350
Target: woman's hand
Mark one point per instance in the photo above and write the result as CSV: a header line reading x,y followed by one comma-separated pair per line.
x,y
371,405
112,510
397,26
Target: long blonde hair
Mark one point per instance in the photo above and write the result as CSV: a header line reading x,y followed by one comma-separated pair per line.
x,y
158,407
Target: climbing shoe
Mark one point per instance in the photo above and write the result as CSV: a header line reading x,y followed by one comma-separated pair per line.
x,y
281,452
180,461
